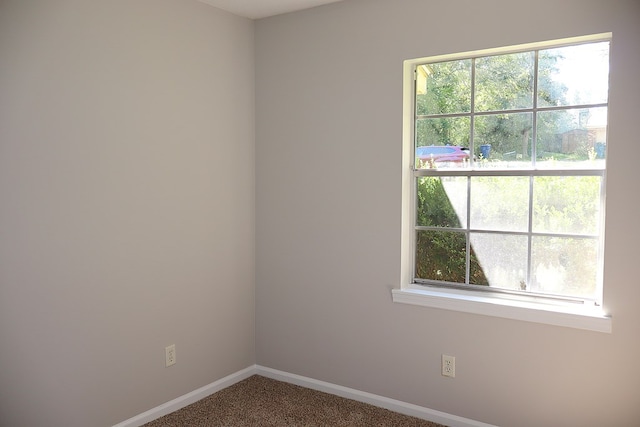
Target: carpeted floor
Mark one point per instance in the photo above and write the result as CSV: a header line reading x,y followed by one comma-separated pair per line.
x,y
259,401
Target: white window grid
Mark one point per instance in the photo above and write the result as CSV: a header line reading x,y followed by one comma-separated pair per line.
x,y
531,172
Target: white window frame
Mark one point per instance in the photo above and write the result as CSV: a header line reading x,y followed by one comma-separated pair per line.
x,y
496,304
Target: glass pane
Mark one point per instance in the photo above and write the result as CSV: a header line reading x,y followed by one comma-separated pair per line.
x,y
504,82
564,266
443,131
503,259
575,138
574,75
500,203
566,204
443,88
441,202
441,255
503,140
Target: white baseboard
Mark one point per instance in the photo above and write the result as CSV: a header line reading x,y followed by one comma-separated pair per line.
x,y
349,393
188,399
372,399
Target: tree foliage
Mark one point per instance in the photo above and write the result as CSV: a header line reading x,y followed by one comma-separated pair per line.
x,y
441,255
503,83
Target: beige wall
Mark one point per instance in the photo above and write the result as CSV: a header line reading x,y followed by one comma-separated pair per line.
x,y
328,128
126,205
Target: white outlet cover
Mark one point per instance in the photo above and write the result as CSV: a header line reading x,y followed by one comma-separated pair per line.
x,y
170,355
448,366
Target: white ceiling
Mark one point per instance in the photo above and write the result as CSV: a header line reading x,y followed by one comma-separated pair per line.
x,y
256,9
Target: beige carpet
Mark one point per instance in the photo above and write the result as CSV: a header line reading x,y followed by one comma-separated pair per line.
x,y
259,401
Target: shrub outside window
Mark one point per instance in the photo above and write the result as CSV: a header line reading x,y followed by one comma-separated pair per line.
x,y
509,162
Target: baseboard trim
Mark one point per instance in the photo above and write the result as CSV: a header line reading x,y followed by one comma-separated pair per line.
x,y
188,399
349,393
372,399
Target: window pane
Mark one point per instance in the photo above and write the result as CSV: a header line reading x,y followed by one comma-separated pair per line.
x,y
508,137
504,82
500,203
574,75
441,202
443,88
564,266
571,138
566,204
441,255
503,259
443,131
493,126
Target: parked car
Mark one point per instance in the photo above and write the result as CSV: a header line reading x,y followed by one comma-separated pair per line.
x,y
442,153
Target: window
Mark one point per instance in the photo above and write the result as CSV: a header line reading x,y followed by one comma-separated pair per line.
x,y
504,175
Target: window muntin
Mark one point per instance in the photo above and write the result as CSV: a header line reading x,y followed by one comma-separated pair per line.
x,y
521,212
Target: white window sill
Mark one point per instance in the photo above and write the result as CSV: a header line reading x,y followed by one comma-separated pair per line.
x,y
580,317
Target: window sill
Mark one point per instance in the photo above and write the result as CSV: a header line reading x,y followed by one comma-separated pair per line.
x,y
588,318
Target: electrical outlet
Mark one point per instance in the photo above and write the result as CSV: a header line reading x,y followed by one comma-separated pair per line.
x,y
170,355
448,366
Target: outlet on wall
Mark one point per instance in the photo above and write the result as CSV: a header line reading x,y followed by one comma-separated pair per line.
x,y
448,366
170,355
